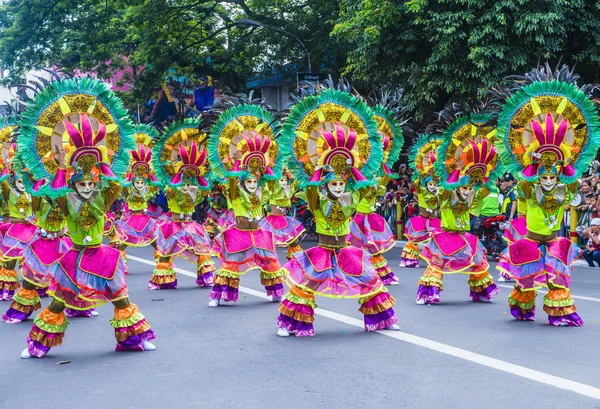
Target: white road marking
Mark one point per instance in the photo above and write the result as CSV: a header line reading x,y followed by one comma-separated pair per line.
x,y
523,372
577,297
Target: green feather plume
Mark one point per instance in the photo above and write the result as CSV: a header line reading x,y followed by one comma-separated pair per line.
x,y
553,88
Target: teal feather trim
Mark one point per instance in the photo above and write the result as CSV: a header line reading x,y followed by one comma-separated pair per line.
x,y
147,130
29,134
553,88
440,167
264,116
159,167
310,103
414,151
388,116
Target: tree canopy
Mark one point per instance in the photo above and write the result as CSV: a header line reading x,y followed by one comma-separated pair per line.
x,y
435,51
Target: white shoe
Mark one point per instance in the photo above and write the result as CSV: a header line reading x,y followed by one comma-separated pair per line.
x,y
148,346
394,283
25,354
402,264
282,332
276,299
393,327
94,313
485,300
213,303
420,301
501,279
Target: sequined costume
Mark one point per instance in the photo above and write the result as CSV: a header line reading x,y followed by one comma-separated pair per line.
x,y
327,158
243,150
549,131
66,133
286,229
180,162
419,228
466,161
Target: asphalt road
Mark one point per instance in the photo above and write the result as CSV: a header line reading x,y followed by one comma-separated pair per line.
x,y
458,354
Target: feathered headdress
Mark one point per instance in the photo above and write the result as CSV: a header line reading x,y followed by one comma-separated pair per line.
x,y
247,130
332,135
180,156
467,155
547,126
83,117
391,137
422,158
141,157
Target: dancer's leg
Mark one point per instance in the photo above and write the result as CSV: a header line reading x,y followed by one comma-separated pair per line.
x,y
560,307
132,331
522,304
24,303
9,280
48,330
378,312
297,313
430,286
163,276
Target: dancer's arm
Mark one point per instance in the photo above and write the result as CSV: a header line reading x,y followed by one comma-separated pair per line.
x,y
312,198
111,193
36,201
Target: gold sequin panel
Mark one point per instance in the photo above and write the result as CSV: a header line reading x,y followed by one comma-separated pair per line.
x,y
54,116
520,134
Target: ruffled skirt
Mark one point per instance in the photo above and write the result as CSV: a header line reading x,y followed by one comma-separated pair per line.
x,y
136,230
285,229
185,238
40,258
88,278
516,230
419,229
339,273
372,233
14,238
534,265
455,252
243,250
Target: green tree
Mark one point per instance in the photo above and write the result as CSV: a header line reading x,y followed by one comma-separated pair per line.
x,y
445,50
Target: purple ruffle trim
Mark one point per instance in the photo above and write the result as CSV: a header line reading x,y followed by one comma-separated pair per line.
x,y
408,263
302,329
505,276
224,292
166,286
12,316
134,342
431,295
79,313
276,290
42,292
381,320
6,295
571,320
36,349
488,293
518,314
389,278
205,280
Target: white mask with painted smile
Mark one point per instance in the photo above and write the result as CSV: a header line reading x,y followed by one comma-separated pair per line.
x,y
465,191
432,187
139,184
251,185
283,182
336,188
548,182
19,185
85,188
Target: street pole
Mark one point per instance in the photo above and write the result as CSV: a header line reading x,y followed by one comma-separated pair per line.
x,y
253,23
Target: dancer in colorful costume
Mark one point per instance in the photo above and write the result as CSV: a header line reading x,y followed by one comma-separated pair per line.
x,y
333,146
368,230
218,209
136,228
549,132
286,229
420,228
466,161
243,150
66,134
16,229
179,159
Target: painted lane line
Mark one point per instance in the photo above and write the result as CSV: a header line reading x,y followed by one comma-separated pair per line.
x,y
577,297
493,363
